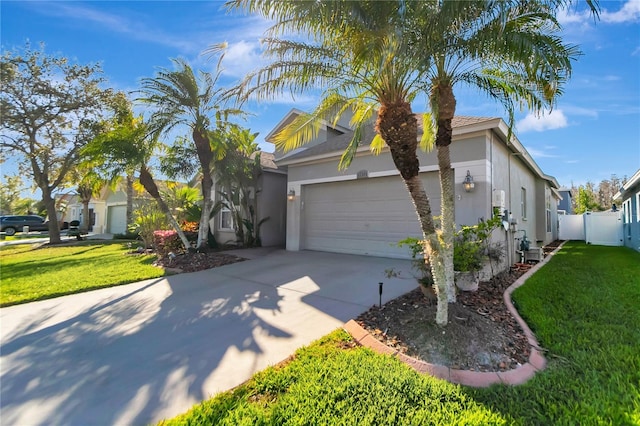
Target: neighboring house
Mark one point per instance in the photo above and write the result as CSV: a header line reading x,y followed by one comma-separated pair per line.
x,y
366,209
629,196
565,205
107,210
271,204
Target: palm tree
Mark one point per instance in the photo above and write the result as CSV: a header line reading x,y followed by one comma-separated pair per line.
x,y
184,99
374,55
89,186
361,56
509,51
126,147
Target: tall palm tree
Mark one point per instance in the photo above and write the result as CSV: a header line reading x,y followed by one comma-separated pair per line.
x,y
126,147
182,98
359,55
510,51
373,55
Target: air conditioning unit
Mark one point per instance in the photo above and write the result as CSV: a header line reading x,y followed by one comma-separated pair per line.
x,y
499,199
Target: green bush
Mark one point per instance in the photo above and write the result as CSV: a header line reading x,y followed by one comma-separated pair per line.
x,y
148,219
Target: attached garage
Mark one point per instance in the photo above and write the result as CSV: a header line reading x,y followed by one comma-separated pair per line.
x,y
117,219
363,216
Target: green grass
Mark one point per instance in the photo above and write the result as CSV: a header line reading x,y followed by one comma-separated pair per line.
x,y
584,306
28,274
326,384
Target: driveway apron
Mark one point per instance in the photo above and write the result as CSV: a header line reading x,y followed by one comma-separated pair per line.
x,y
138,353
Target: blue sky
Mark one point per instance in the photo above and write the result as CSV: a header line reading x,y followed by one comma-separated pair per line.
x,y
593,132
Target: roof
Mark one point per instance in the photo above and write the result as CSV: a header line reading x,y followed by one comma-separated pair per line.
x,y
340,143
266,160
335,146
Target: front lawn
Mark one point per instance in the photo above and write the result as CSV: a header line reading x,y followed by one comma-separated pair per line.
x,y
28,274
584,307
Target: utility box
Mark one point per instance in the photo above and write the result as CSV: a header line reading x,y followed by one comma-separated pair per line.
x,y
534,254
499,199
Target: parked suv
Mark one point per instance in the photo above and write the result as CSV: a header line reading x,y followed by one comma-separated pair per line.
x,y
12,224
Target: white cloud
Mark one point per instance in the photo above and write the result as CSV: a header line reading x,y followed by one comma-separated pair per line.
x,y
241,58
547,121
573,17
630,12
541,153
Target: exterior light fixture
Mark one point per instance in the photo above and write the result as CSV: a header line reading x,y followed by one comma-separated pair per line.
x,y
291,195
468,183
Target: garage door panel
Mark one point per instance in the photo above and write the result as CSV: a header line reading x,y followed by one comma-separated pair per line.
x,y
366,216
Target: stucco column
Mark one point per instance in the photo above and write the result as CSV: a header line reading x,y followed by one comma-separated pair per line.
x,y
294,222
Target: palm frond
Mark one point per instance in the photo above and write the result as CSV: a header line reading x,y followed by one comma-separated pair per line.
x,y
428,138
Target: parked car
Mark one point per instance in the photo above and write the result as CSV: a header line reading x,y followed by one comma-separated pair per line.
x,y
12,224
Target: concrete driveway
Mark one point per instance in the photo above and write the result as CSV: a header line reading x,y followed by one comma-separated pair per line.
x,y
138,353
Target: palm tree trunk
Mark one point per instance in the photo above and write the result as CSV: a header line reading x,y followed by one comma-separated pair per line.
x,y
129,213
150,185
399,128
446,106
448,218
205,156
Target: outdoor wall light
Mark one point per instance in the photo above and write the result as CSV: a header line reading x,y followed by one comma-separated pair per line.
x,y
468,183
291,195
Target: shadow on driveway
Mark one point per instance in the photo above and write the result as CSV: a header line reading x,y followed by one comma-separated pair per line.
x,y
138,353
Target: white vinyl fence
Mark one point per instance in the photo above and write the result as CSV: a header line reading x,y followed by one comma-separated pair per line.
x,y
599,228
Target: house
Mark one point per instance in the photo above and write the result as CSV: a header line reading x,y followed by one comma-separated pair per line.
x,y
108,209
629,196
271,206
565,205
366,209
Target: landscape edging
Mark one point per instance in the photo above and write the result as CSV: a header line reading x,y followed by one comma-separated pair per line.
x,y
517,376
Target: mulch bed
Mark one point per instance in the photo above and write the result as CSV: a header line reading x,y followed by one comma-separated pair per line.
x,y
193,262
481,335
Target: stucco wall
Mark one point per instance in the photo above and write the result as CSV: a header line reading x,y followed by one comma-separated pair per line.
x,y
468,153
272,203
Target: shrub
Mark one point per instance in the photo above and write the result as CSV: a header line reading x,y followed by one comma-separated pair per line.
x,y
165,242
187,226
148,219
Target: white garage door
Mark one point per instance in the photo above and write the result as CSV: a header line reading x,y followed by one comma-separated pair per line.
x,y
117,219
366,216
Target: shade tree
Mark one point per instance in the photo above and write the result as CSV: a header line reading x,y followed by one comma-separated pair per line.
x,y
50,109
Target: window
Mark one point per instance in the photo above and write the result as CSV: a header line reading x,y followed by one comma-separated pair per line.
x,y
626,211
523,203
638,207
226,219
226,215
548,205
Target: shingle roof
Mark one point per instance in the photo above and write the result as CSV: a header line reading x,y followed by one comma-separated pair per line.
x,y
266,159
340,143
